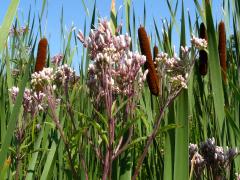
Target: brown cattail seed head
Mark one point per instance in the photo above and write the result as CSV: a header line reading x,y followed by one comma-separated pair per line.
x,y
155,52
152,76
203,57
41,59
203,32
222,49
41,55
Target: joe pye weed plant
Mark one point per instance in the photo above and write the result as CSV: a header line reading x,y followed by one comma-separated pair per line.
x,y
116,74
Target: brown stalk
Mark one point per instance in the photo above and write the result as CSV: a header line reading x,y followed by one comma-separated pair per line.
x,y
41,55
152,76
203,57
222,49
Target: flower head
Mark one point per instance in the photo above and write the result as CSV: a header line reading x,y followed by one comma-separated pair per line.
x,y
114,67
57,59
199,43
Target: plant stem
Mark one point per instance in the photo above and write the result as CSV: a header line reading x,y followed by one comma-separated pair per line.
x,y
52,107
153,134
106,166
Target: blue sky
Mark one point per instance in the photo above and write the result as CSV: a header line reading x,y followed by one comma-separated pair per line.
x,y
74,13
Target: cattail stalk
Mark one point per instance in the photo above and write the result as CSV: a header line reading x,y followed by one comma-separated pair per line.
x,y
152,76
203,57
41,55
222,50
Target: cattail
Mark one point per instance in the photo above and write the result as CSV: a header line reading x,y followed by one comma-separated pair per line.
x,y
203,57
41,59
41,55
155,52
152,76
222,49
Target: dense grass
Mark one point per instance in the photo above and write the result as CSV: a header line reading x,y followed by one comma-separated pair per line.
x,y
70,140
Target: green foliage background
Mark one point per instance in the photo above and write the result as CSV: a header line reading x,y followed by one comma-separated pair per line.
x,y
208,108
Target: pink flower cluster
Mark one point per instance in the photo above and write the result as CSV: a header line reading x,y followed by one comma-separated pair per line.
x,y
20,31
32,102
174,69
211,156
64,74
57,59
35,100
114,66
199,43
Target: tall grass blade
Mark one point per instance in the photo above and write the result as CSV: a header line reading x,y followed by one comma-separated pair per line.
x,y
43,8
127,4
14,117
215,69
7,22
181,138
85,7
49,164
113,19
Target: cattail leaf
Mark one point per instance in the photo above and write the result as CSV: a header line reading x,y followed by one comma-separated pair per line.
x,y
33,160
181,166
67,52
214,66
157,33
7,22
85,7
93,16
13,117
6,167
49,163
113,19
43,8
169,145
181,137
200,9
9,76
121,106
126,166
127,4
173,14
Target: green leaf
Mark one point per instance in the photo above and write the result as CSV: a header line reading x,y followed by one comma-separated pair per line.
x,y
181,138
181,166
33,160
113,20
43,8
49,164
7,22
215,69
119,107
85,7
14,117
127,4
